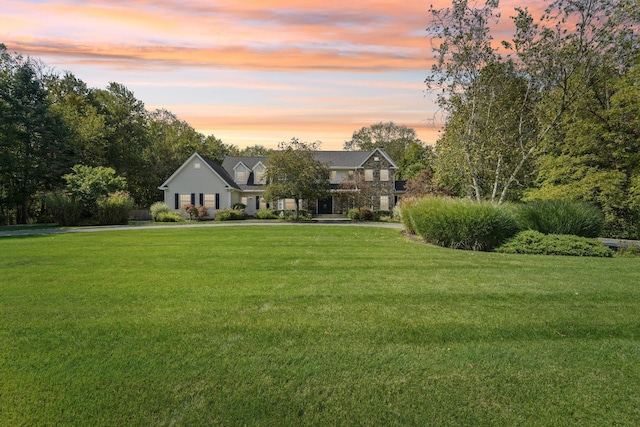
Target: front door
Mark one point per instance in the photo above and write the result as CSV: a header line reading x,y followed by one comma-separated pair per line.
x,y
325,206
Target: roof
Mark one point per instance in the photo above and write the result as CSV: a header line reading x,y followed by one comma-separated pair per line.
x,y
213,166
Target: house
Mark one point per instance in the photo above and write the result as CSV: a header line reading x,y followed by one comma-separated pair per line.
x,y
201,181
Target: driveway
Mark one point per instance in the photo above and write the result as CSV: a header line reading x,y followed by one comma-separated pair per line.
x,y
151,226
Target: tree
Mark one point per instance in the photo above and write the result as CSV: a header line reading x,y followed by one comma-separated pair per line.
x,y
554,63
417,157
294,173
394,139
255,150
126,135
33,151
87,184
595,156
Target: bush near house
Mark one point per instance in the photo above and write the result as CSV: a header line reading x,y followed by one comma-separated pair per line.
x,y
114,209
158,209
169,217
560,217
290,215
536,243
266,214
229,215
361,214
460,224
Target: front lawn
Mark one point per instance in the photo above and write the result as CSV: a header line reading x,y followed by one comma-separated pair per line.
x,y
310,325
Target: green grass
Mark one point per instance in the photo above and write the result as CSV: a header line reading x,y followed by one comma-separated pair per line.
x,y
310,325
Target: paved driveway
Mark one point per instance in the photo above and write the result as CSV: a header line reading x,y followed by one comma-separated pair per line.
x,y
61,230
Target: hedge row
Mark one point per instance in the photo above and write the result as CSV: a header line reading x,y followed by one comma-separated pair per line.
x,y
464,224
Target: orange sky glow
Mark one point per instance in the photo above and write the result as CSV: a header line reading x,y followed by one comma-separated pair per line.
x,y
249,72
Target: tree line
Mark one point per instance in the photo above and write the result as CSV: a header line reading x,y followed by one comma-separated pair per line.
x,y
50,122
551,112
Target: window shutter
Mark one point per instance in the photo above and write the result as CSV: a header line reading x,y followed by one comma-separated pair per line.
x,y
201,199
177,204
193,198
257,203
217,201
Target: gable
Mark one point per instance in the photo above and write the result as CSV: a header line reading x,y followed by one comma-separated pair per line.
x,y
197,168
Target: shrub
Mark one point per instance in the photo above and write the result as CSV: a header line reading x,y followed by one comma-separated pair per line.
x,y
170,217
379,215
560,217
266,214
114,208
404,214
157,209
290,215
461,224
361,214
631,251
229,215
63,208
239,206
536,243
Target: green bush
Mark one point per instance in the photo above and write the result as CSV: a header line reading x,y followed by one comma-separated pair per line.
x,y
536,243
632,251
114,208
157,209
380,214
403,213
461,224
63,208
361,214
229,215
290,215
266,214
170,217
560,217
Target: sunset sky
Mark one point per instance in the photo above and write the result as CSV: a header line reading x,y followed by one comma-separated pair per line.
x,y
248,71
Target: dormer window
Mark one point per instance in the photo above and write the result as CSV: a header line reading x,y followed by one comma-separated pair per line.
x,y
240,176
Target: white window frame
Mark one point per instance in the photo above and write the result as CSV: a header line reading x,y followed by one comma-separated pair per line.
x,y
384,174
241,176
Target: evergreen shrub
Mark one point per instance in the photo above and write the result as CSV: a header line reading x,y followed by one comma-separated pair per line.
x,y
560,217
536,243
461,224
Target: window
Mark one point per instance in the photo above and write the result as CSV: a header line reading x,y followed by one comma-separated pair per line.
x,y
368,174
350,174
260,176
209,201
290,204
334,176
384,203
240,176
196,165
384,175
185,199
244,201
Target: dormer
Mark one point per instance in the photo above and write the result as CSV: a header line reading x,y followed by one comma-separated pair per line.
x,y
241,173
258,174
